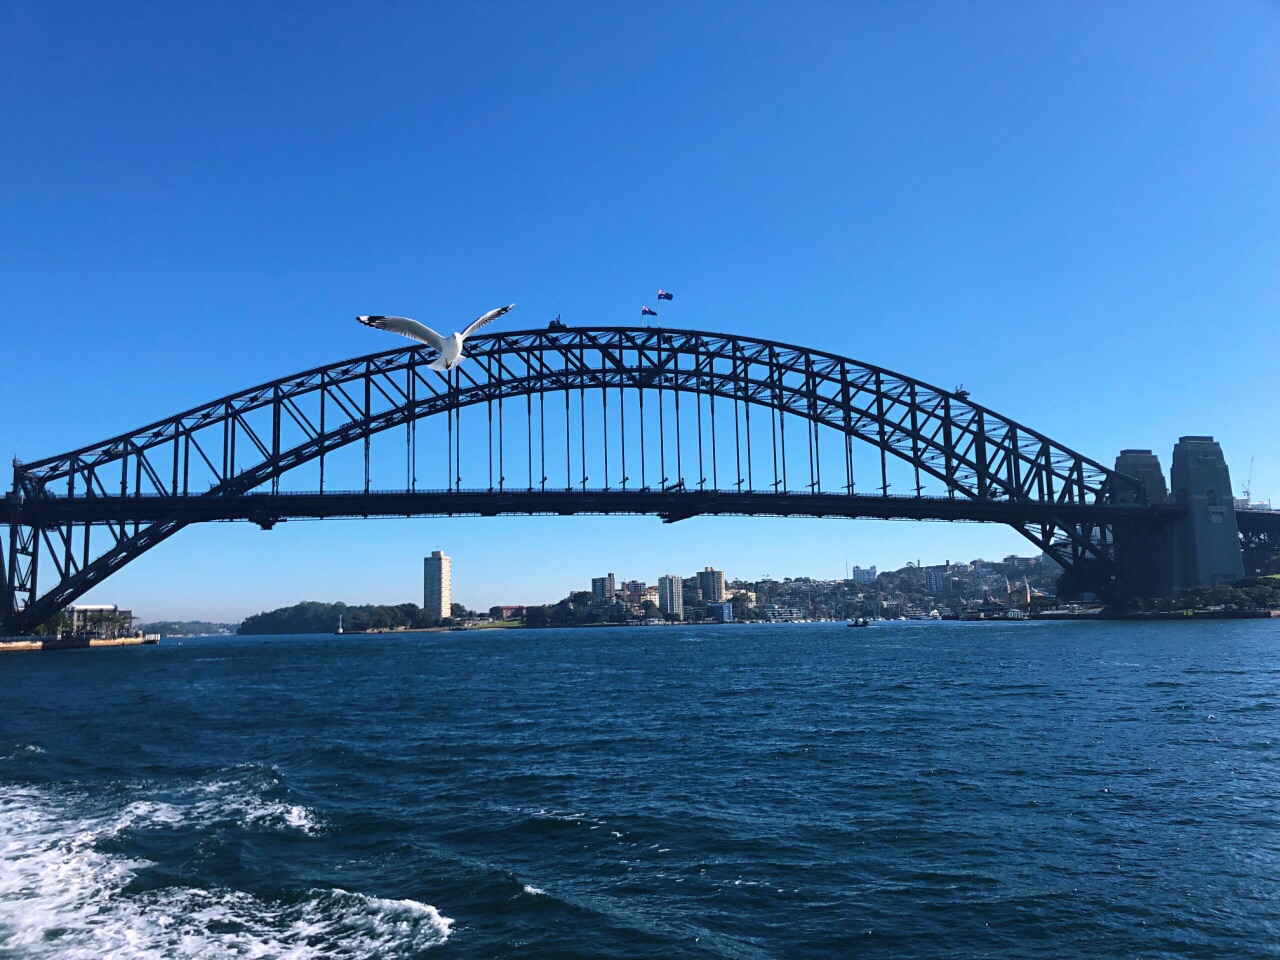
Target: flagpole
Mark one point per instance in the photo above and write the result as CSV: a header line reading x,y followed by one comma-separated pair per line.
x,y
662,295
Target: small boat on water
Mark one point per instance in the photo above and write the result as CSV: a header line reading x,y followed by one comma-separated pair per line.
x,y
860,622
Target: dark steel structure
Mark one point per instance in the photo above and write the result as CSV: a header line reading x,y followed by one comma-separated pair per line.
x,y
1260,540
676,423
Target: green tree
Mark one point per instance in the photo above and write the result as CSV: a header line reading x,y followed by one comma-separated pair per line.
x,y
537,616
60,622
313,617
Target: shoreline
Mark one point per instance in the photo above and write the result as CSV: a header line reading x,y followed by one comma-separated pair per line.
x,y
52,643
1164,615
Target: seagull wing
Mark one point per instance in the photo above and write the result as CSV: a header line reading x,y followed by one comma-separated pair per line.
x,y
489,317
406,328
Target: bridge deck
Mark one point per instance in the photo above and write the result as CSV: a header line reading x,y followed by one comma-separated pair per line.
x,y
671,505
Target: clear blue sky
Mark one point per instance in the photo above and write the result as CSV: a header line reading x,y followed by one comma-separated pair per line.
x,y
1072,208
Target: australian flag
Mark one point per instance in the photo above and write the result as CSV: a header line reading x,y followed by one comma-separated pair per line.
x,y
663,295
646,312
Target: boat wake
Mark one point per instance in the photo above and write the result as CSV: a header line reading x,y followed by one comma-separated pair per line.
x,y
64,894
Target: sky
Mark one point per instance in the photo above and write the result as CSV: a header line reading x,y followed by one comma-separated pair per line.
x,y
1071,208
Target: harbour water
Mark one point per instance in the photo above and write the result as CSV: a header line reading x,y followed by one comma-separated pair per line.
x,y
912,790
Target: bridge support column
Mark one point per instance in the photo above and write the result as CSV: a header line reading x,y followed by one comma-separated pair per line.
x,y
1146,550
1208,538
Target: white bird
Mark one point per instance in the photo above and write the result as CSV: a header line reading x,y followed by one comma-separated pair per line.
x,y
450,347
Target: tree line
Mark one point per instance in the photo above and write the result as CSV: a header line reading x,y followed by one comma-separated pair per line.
x,y
577,609
312,616
1251,593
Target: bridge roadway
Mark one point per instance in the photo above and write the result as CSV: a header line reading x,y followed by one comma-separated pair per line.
x,y
671,505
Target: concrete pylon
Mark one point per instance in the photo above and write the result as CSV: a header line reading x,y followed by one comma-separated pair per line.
x,y
1208,548
1144,466
1146,550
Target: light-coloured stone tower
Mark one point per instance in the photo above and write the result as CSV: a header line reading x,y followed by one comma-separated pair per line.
x,y
437,585
1209,539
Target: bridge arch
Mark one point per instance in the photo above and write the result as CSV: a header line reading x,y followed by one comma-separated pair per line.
x,y
131,490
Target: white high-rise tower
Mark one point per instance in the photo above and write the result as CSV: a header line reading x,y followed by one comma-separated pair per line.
x,y
437,584
671,596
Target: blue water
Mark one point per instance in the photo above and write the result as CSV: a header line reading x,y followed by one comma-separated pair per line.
x,y
912,790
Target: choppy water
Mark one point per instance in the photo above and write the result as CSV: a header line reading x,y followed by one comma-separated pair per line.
x,y
912,790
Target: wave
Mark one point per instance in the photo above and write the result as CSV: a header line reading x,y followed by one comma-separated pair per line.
x,y
23,750
62,895
242,798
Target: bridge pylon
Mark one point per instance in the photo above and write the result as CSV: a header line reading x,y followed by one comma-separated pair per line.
x,y
1202,546
1146,550
1208,535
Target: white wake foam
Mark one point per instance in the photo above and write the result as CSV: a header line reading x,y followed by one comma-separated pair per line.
x,y
239,798
62,896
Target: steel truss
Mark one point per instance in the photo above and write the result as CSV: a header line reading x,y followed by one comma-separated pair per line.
x,y
88,512
1259,536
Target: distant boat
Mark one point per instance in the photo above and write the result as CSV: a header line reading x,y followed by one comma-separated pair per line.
x,y
860,622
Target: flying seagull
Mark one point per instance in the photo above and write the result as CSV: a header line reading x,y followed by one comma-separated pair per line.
x,y
450,347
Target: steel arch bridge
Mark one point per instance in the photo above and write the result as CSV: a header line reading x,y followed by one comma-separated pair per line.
x,y
561,421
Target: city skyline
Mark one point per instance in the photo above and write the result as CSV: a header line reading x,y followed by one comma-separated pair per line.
x,y
668,591
950,201
971,587
438,572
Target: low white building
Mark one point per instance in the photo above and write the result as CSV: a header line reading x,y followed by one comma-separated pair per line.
x,y
101,620
858,575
